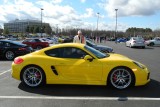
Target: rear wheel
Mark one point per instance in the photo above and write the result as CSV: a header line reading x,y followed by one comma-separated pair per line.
x,y
9,55
39,47
121,78
33,76
151,44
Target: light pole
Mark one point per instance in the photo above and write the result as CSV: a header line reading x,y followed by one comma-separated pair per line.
x,y
41,21
97,22
57,29
116,25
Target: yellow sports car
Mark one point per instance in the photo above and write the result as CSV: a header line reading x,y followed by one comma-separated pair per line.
x,y
73,63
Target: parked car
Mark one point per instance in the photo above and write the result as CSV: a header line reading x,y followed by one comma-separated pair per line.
x,y
47,40
136,42
13,38
11,49
154,42
35,43
102,48
119,40
68,40
54,40
72,63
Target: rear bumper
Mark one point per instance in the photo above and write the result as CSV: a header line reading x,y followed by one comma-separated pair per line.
x,y
138,45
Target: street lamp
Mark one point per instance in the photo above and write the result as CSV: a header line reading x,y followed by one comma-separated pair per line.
x,y
97,21
116,24
41,21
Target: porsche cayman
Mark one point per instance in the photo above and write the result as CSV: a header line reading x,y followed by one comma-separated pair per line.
x,y
73,63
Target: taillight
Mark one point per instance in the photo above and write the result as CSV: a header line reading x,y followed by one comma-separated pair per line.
x,y
22,49
18,60
134,41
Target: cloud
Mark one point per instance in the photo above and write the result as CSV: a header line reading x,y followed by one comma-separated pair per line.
x,y
56,1
131,7
83,1
89,13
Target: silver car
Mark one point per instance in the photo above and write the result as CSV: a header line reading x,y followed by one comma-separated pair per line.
x,y
136,42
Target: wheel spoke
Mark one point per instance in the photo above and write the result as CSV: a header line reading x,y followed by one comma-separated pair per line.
x,y
121,78
32,76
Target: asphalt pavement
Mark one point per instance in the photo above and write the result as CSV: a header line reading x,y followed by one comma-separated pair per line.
x,y
14,94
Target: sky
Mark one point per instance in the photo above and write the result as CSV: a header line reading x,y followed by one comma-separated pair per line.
x,y
83,13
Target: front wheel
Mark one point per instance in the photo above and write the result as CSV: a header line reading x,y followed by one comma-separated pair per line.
x,y
33,76
121,78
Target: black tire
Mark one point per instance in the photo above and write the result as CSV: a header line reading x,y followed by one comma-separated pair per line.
x,y
151,44
9,55
130,45
39,47
123,80
143,47
33,76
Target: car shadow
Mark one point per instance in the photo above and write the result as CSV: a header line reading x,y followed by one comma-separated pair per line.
x,y
150,90
3,59
143,48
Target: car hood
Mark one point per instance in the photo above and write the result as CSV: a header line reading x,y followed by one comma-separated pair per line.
x,y
117,57
103,47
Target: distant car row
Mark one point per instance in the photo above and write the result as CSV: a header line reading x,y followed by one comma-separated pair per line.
x,y
10,49
139,42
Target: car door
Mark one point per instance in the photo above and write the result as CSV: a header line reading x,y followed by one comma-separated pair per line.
x,y
157,41
72,66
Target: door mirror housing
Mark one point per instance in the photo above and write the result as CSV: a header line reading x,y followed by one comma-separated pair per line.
x,y
89,58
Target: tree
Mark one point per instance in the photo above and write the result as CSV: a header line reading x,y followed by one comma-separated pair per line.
x,y
6,31
27,29
47,30
36,29
31,29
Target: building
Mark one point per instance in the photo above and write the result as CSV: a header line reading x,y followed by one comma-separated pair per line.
x,y
20,26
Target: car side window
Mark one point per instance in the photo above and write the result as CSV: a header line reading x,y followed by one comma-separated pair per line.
x,y
37,40
7,44
1,43
53,52
71,52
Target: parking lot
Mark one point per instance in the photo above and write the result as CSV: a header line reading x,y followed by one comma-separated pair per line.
x,y
14,93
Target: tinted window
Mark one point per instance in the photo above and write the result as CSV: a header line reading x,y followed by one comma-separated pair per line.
x,y
71,52
7,44
89,43
67,52
1,43
53,52
37,40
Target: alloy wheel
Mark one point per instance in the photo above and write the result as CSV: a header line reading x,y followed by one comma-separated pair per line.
x,y
121,78
33,76
9,55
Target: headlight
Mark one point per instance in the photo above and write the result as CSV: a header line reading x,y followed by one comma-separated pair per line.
x,y
139,64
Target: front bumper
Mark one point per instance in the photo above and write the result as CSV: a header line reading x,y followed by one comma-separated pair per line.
x,y
142,77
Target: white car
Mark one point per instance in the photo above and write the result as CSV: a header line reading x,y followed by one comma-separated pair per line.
x,y
154,42
136,42
47,40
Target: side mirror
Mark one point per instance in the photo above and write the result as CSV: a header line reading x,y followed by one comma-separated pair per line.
x,y
89,58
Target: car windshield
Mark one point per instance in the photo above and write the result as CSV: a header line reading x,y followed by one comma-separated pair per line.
x,y
91,43
97,53
138,38
17,43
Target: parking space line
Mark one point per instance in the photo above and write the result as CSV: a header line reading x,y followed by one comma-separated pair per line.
x,y
82,98
5,72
